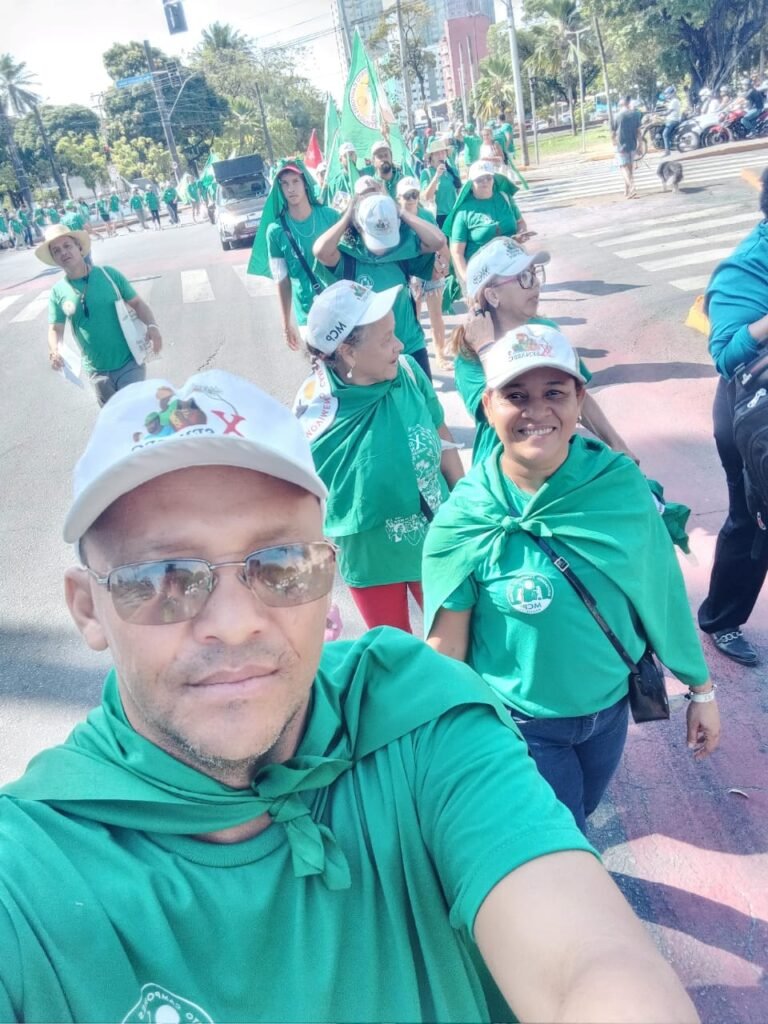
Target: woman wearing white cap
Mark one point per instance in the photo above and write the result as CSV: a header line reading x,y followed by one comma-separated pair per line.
x,y
379,246
376,429
484,210
504,285
495,598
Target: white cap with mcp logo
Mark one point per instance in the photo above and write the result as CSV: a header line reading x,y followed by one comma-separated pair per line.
x,y
338,310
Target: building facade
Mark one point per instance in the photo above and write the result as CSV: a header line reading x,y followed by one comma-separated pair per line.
x,y
463,45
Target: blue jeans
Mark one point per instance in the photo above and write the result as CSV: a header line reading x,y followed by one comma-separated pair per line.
x,y
748,120
669,131
577,756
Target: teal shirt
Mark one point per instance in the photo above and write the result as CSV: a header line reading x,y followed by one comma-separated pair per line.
x,y
737,295
150,198
391,184
53,215
99,334
480,220
114,203
170,195
446,192
193,192
472,145
305,233
391,553
74,221
137,203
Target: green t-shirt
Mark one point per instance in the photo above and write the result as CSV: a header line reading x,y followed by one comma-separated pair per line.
x,y
23,217
107,923
53,215
480,220
3,224
103,207
472,145
150,197
170,195
114,203
391,184
446,192
382,272
99,334
17,226
74,221
305,233
137,203
40,218
531,636
193,192
391,553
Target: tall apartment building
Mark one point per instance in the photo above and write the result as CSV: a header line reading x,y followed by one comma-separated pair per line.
x,y
348,15
446,10
462,47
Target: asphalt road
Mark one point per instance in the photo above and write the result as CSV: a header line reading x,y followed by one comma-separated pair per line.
x,y
690,854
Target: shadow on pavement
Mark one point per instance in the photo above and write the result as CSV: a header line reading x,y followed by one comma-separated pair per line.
x,y
592,353
569,321
650,373
35,277
591,287
49,665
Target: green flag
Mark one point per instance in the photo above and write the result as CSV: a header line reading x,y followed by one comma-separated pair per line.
x,y
206,178
331,130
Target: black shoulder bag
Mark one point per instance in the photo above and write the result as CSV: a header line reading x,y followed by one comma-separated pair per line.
x,y
647,691
317,287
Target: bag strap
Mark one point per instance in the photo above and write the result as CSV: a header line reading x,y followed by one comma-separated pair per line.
x,y
116,289
564,567
315,284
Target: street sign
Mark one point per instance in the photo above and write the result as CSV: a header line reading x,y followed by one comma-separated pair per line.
x,y
124,83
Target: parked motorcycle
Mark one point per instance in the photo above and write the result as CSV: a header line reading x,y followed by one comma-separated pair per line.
x,y
700,131
732,123
652,132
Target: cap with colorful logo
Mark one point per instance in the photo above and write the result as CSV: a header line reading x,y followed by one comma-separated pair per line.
x,y
151,428
528,348
501,257
378,221
481,169
338,310
407,184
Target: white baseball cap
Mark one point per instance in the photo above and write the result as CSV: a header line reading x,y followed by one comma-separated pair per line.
x,y
527,348
378,221
480,168
408,184
501,257
342,307
380,144
367,183
151,428
346,148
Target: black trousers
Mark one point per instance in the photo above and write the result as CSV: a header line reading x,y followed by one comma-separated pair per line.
x,y
422,358
737,578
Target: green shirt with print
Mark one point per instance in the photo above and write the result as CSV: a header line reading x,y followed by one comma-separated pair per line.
x,y
53,215
193,192
470,383
24,218
74,221
170,195
531,636
17,226
472,145
382,272
446,191
305,233
114,203
391,553
137,203
150,197
480,220
99,334
40,217
100,922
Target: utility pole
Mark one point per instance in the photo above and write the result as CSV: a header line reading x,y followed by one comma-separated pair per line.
x,y
163,111
517,78
471,77
403,69
463,84
346,35
578,32
604,62
532,83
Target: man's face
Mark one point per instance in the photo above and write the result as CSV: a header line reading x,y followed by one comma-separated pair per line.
x,y
382,161
293,187
227,690
66,253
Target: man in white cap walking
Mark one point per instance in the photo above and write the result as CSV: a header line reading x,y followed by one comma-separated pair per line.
x,y
384,167
86,298
252,827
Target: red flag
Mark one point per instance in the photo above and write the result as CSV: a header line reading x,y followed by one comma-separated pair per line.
x,y
313,156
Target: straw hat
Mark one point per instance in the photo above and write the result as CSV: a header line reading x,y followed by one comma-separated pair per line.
x,y
55,231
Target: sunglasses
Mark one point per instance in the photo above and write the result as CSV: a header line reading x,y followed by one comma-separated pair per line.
x,y
527,278
410,195
174,590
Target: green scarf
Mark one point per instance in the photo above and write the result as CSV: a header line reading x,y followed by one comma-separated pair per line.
x,y
274,205
596,504
500,184
360,447
367,694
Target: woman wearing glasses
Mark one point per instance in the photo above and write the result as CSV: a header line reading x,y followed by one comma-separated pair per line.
x,y
484,210
503,287
495,599
376,430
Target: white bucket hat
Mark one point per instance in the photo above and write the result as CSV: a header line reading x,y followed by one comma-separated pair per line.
x,y
150,428
378,221
342,307
527,348
501,257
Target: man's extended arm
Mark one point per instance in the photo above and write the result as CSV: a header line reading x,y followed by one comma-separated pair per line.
x,y
147,317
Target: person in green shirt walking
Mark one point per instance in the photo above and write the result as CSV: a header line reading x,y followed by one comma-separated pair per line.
x,y
379,246
193,195
494,598
503,289
153,205
86,298
292,219
376,429
440,181
171,200
358,824
53,215
383,167
136,204
17,231
472,143
102,206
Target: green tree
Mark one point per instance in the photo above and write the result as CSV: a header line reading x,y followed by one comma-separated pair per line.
x,y
418,60
141,158
15,96
494,91
83,156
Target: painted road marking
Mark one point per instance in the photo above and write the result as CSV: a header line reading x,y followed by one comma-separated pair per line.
x,y
7,300
692,284
195,286
34,308
257,287
708,256
691,215
144,288
680,243
718,222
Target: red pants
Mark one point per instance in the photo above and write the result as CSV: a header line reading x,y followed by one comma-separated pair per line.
x,y
386,605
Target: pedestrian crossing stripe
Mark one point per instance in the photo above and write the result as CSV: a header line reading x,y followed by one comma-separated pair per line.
x,y
8,300
718,222
692,284
678,218
34,309
195,286
677,244
707,256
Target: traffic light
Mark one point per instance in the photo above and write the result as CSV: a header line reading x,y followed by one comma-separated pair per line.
x,y
174,16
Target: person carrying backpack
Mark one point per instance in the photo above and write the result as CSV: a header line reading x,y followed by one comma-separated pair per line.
x,y
737,305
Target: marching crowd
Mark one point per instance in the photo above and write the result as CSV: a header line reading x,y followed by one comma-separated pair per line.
x,y
391,768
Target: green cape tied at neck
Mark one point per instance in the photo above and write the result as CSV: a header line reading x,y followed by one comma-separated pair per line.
x,y
598,505
500,184
360,447
275,203
366,695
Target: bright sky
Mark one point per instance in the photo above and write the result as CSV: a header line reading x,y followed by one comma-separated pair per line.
x,y
62,42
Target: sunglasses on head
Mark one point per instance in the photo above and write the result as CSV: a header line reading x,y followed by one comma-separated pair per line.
x,y
173,590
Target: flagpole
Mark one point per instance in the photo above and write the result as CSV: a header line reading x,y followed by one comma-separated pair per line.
x,y
403,69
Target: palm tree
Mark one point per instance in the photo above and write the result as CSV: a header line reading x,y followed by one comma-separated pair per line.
x,y
494,92
221,36
554,54
18,98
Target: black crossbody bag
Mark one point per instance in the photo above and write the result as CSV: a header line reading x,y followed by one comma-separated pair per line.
x,y
317,287
648,700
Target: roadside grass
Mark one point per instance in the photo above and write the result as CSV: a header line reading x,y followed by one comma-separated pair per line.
x,y
563,144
